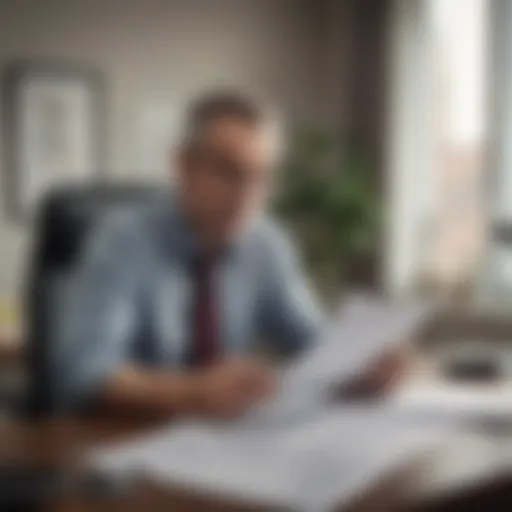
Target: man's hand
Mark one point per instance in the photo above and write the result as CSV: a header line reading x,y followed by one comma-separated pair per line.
x,y
224,390
381,377
229,388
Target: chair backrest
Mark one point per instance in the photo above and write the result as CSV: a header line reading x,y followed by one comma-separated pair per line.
x,y
65,219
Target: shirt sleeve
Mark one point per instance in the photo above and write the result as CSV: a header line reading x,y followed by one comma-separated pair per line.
x,y
291,316
96,315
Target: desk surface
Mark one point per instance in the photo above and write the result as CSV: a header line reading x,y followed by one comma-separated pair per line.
x,y
61,442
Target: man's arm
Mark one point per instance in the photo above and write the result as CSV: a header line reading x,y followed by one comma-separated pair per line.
x,y
224,390
134,390
290,314
292,318
96,314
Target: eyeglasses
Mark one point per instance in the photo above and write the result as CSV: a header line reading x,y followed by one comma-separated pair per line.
x,y
230,171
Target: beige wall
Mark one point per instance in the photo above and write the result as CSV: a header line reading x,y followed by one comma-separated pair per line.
x,y
285,50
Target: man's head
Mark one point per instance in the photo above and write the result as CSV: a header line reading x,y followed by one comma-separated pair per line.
x,y
224,165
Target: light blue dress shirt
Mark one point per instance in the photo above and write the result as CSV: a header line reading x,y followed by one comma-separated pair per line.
x,y
130,299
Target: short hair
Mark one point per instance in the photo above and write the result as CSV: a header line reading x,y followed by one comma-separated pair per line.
x,y
220,105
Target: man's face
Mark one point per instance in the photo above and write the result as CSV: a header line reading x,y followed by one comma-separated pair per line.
x,y
225,178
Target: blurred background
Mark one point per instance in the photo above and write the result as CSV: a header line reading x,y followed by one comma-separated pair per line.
x,y
392,94
395,115
394,112
398,121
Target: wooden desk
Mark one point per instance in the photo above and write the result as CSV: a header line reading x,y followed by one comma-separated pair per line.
x,y
61,442
10,352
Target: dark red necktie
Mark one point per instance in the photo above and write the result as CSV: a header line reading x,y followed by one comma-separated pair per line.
x,y
205,347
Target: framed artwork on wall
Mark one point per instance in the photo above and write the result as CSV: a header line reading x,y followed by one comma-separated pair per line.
x,y
53,127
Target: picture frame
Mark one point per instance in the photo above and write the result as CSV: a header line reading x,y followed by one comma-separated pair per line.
x,y
53,130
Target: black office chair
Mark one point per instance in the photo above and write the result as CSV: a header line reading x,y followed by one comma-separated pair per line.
x,y
66,217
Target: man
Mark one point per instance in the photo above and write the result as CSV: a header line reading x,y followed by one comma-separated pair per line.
x,y
167,304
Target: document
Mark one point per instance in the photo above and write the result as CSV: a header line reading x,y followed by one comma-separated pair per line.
x,y
299,451
364,329
455,402
310,466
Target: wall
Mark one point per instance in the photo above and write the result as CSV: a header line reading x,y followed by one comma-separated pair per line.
x,y
365,99
167,50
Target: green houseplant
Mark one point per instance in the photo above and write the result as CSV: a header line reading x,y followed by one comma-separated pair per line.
x,y
327,196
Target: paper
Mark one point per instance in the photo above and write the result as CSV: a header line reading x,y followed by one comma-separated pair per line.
x,y
463,403
364,329
311,466
298,451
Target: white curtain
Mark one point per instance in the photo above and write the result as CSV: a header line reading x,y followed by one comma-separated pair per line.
x,y
409,144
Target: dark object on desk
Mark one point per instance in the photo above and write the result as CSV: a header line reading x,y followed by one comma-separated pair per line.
x,y
475,369
30,488
494,496
66,218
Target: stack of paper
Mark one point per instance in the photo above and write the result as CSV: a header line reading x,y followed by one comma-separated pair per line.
x,y
311,466
299,450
